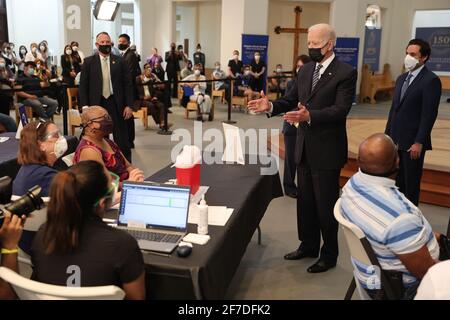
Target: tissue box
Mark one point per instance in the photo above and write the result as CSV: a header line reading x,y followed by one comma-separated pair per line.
x,y
189,177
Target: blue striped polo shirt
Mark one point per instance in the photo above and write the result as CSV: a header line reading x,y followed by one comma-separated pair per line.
x,y
392,224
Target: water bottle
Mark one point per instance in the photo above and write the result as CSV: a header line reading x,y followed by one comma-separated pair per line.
x,y
203,217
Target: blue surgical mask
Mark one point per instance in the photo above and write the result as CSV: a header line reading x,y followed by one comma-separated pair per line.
x,y
31,72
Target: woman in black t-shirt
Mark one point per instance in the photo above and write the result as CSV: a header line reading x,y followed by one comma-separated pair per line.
x,y
258,70
75,247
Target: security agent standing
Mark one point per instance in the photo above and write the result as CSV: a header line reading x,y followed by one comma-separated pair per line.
x,y
172,68
105,81
323,92
412,116
131,61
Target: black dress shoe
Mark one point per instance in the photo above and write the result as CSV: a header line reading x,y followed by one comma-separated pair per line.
x,y
321,266
300,254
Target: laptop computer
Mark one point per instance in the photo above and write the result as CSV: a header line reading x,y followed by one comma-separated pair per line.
x,y
155,215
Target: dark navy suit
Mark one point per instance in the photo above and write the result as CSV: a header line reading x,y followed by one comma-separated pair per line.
x,y
411,120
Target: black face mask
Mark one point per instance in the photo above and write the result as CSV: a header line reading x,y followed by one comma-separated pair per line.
x,y
105,48
316,54
106,126
123,47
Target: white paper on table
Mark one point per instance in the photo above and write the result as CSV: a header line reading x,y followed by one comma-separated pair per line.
x,y
217,216
3,139
197,238
198,195
19,130
233,145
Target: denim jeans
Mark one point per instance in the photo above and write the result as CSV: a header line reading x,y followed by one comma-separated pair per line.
x,y
38,106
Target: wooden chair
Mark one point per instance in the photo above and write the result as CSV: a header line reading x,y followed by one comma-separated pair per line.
x,y
236,100
372,83
193,107
217,93
272,96
142,114
74,118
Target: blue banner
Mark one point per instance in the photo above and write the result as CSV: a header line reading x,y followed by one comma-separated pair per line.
x,y
347,50
23,115
439,40
252,43
372,47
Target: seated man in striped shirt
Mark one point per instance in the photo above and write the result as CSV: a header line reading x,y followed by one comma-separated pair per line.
x,y
401,237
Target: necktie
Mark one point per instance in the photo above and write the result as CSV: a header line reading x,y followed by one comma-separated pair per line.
x,y
316,76
106,78
405,86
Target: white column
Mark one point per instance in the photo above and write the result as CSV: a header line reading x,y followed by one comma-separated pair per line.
x,y
241,17
78,24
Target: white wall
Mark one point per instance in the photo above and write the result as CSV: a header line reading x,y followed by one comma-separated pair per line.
x,y
232,29
281,46
188,24
256,14
33,21
209,30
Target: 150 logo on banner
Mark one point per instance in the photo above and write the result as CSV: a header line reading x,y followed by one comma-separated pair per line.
x,y
73,21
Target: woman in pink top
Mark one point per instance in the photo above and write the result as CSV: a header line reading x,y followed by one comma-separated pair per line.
x,y
95,145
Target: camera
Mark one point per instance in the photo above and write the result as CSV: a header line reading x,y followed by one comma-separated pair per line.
x,y
25,205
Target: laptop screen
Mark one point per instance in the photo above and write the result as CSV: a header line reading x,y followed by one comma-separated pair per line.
x,y
156,206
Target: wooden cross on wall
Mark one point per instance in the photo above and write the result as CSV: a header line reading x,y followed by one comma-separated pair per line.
x,y
296,31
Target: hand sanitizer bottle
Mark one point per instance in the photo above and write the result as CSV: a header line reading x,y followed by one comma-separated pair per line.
x,y
203,217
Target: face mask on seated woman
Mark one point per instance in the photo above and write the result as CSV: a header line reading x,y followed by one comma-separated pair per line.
x,y
105,127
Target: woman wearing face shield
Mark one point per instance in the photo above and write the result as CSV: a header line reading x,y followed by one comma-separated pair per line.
x,y
95,145
41,145
75,235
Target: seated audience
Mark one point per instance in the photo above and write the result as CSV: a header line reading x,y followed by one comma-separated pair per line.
x,y
203,100
278,84
95,145
42,71
77,53
399,234
10,234
219,74
158,70
33,95
41,145
8,57
186,71
33,54
70,66
75,235
243,88
21,60
6,83
436,283
148,97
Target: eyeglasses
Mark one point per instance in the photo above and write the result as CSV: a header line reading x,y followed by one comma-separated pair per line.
x,y
113,190
55,135
98,119
41,122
